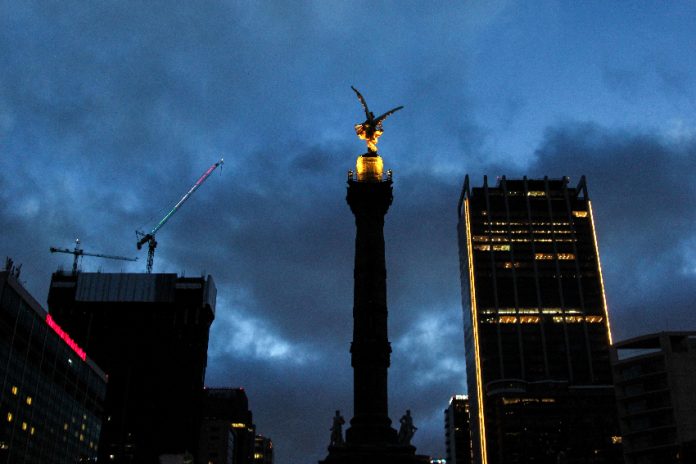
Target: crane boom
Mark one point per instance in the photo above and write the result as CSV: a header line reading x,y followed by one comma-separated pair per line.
x,y
78,252
149,238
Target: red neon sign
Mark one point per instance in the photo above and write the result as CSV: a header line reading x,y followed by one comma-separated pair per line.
x,y
66,338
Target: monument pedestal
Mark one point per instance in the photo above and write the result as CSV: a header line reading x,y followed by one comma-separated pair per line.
x,y
383,453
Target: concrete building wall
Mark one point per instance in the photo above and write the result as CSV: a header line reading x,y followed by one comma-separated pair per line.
x,y
655,383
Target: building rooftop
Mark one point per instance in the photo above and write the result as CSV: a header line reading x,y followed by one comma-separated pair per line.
x,y
133,287
655,343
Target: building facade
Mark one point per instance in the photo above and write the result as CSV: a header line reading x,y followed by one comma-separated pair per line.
x,y
52,396
655,377
263,450
458,431
536,326
149,332
227,432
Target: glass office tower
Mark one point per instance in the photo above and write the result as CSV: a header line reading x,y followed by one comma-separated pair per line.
x,y
51,393
536,326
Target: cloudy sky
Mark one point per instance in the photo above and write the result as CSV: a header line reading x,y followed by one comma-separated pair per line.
x,y
110,110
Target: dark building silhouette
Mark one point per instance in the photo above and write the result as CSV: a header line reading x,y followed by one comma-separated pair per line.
x,y
263,450
149,332
52,393
458,431
536,325
370,437
655,377
227,433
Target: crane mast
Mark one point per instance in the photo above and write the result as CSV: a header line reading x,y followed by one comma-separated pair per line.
x,y
79,252
149,238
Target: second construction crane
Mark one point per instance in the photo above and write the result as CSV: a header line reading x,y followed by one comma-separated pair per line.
x,y
149,238
79,252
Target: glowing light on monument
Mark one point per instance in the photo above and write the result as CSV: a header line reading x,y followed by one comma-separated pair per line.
x,y
369,168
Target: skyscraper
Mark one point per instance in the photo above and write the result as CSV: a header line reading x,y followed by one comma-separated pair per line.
x,y
458,431
536,325
149,332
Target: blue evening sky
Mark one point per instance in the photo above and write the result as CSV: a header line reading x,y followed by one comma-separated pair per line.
x,y
110,110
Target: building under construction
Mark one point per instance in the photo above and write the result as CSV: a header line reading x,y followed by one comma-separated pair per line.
x,y
149,332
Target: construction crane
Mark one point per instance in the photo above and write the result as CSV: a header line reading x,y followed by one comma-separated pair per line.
x,y
79,252
149,238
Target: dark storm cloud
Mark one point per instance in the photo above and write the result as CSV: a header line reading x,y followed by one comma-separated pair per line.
x,y
110,111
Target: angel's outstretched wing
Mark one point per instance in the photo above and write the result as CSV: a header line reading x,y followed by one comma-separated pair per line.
x,y
362,101
387,114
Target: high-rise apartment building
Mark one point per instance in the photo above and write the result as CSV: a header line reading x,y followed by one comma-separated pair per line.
x,y
52,393
227,433
536,326
149,332
655,378
457,431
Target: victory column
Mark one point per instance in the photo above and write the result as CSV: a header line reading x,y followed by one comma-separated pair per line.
x,y
371,438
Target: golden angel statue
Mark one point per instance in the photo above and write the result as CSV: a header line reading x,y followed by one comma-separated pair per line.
x,y
371,129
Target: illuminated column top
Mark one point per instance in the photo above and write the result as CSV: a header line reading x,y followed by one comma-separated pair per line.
x,y
369,168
